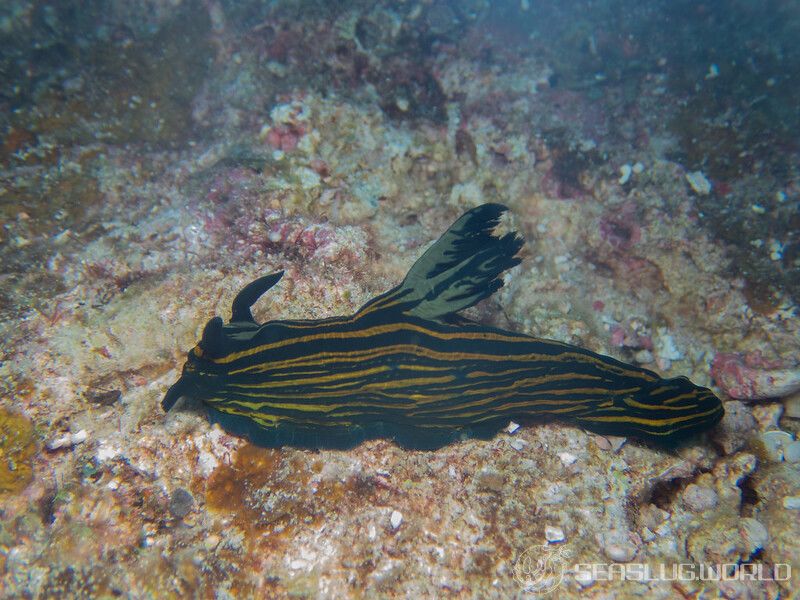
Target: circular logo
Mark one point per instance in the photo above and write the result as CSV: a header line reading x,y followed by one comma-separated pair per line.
x,y
540,569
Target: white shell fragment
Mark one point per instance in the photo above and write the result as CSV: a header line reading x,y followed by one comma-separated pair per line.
x,y
68,440
791,502
625,174
554,534
698,182
566,458
665,345
792,452
775,443
396,519
617,545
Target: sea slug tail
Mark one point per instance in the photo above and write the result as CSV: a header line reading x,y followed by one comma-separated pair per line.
x,y
459,270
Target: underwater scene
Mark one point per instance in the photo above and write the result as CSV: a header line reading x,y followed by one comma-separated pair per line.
x,y
400,299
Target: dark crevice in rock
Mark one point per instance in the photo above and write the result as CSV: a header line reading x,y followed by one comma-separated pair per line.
x,y
750,497
664,492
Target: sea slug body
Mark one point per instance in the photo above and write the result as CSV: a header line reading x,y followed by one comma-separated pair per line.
x,y
407,366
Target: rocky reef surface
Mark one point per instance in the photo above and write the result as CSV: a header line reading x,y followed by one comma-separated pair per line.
x,y
156,158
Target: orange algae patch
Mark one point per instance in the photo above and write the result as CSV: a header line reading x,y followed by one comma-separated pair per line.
x,y
271,491
17,446
251,470
231,488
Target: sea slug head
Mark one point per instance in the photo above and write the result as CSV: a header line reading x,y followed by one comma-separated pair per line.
x,y
200,371
685,392
676,408
203,372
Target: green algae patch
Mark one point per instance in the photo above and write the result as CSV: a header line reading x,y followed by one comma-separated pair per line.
x,y
17,445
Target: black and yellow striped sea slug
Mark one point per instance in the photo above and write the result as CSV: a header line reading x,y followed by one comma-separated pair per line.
x,y
406,366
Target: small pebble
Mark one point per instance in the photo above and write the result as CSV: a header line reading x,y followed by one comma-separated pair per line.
x,y
616,442
791,502
647,535
699,498
68,441
618,547
517,444
698,182
181,503
664,530
665,346
396,519
566,458
602,442
552,494
584,578
775,443
624,174
737,425
776,250
791,406
554,534
768,416
512,427
792,452
754,534
620,552
211,542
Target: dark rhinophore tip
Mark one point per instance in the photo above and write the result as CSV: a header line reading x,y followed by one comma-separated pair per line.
x,y
240,310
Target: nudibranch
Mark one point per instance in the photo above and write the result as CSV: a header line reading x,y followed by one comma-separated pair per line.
x,y
407,366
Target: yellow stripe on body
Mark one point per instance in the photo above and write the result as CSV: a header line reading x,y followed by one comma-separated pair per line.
x,y
634,404
374,331
328,358
651,422
310,381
